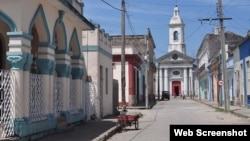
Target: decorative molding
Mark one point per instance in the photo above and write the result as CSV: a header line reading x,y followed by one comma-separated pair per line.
x,y
77,49
44,66
60,22
40,12
28,62
17,60
63,70
53,68
78,14
77,73
97,49
46,44
5,18
20,34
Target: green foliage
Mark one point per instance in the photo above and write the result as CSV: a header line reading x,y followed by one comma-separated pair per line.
x,y
219,110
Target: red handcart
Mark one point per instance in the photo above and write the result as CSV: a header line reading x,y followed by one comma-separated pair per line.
x,y
125,120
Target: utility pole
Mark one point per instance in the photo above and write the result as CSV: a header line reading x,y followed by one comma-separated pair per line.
x,y
123,51
146,58
226,95
224,65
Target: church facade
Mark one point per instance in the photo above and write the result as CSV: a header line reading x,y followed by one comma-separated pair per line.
x,y
175,68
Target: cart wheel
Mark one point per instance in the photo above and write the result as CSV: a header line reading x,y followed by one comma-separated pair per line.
x,y
136,124
121,124
118,124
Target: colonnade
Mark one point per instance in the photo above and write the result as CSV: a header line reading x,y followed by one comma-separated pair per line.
x,y
165,77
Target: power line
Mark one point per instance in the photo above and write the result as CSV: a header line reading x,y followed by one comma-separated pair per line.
x,y
111,5
222,36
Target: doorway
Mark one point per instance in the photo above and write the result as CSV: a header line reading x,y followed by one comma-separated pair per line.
x,y
176,88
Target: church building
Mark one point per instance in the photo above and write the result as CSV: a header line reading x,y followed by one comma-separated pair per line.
x,y
175,68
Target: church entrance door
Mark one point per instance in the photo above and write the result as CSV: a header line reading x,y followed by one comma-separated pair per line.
x,y
176,88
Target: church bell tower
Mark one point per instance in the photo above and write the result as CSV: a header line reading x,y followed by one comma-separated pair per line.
x,y
176,33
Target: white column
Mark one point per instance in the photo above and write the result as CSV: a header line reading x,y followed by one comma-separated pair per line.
x,y
19,59
65,94
19,97
161,80
81,94
51,90
156,81
47,96
166,79
84,96
78,94
185,81
26,93
191,81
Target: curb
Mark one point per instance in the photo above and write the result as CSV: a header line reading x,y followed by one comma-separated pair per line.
x,y
105,136
231,111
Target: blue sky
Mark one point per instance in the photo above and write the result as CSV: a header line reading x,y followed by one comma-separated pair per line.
x,y
156,14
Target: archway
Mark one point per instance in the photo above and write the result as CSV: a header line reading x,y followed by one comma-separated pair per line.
x,y
74,46
60,41
3,46
34,50
41,37
1,53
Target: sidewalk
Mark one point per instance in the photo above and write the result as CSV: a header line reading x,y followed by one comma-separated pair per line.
x,y
97,130
91,130
236,110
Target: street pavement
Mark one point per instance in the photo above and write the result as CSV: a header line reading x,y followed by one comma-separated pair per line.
x,y
101,130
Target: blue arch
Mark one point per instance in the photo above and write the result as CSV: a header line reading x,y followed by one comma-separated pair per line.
x,y
8,20
41,12
60,22
75,36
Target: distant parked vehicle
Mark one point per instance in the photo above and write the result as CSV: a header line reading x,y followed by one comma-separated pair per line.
x,y
165,95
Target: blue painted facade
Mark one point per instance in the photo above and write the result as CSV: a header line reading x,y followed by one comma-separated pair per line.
x,y
244,53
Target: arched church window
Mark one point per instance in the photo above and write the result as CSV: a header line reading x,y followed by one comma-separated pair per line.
x,y
176,36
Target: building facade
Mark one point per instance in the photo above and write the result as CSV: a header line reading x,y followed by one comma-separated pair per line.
x,y
175,69
242,73
42,66
98,59
139,67
210,68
